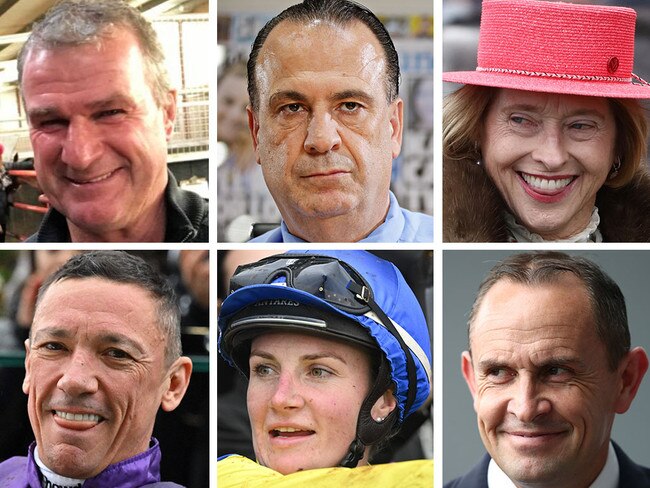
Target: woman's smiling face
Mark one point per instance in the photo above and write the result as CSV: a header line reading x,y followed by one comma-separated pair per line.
x,y
549,154
304,396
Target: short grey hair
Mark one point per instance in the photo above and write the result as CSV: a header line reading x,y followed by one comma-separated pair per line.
x,y
121,267
79,22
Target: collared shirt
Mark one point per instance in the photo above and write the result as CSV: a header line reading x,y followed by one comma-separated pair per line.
x,y
401,225
608,477
139,471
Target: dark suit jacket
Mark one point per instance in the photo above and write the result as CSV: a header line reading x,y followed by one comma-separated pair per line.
x,y
631,475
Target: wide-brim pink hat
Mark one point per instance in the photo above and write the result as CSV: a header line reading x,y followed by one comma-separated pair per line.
x,y
556,47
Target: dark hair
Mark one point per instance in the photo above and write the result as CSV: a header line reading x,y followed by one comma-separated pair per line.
x,y
121,267
79,22
338,12
539,268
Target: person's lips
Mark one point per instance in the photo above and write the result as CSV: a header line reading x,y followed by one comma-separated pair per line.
x,y
531,439
94,179
547,189
545,184
289,435
76,420
328,173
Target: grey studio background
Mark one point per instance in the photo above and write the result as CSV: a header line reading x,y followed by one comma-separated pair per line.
x,y
463,272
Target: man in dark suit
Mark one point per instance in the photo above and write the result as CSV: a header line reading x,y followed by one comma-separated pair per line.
x,y
549,366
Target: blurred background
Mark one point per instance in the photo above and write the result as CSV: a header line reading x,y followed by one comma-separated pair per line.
x,y
242,194
184,432
182,27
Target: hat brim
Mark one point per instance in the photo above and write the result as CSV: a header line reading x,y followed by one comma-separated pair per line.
x,y
255,293
242,301
549,85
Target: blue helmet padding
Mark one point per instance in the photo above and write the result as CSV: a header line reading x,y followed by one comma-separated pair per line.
x,y
392,294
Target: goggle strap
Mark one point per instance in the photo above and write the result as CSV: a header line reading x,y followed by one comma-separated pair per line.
x,y
355,452
410,364
363,295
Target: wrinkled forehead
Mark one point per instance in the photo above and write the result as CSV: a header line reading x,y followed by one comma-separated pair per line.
x,y
559,306
90,292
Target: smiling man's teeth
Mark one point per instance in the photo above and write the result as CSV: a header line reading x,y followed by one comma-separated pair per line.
x,y
287,429
94,180
544,183
78,417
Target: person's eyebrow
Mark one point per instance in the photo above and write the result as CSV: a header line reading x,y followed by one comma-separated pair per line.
x,y
108,102
120,340
527,107
524,107
323,355
353,95
488,364
305,357
262,354
562,361
285,95
51,333
43,112
106,339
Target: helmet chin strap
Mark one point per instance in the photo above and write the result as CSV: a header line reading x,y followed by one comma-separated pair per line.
x,y
370,430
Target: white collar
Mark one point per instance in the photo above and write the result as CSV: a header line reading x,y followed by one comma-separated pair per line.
x,y
519,233
47,475
608,477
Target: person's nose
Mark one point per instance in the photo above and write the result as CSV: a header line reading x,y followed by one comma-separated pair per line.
x,y
287,393
78,376
322,134
528,401
550,148
83,144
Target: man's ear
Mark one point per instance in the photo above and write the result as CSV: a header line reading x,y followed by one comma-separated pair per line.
x,y
468,373
178,380
396,125
169,113
631,370
254,127
384,405
27,379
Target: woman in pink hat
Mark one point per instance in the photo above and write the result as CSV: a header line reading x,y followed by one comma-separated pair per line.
x,y
547,139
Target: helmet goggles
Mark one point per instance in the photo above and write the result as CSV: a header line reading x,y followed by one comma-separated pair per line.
x,y
324,277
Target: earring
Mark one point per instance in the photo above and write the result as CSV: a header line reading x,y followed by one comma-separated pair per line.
x,y
615,168
477,151
379,419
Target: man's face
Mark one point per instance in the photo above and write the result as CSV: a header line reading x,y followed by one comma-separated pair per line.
x,y
543,392
95,374
99,137
324,133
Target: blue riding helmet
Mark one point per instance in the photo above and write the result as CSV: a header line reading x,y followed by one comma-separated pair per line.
x,y
348,295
